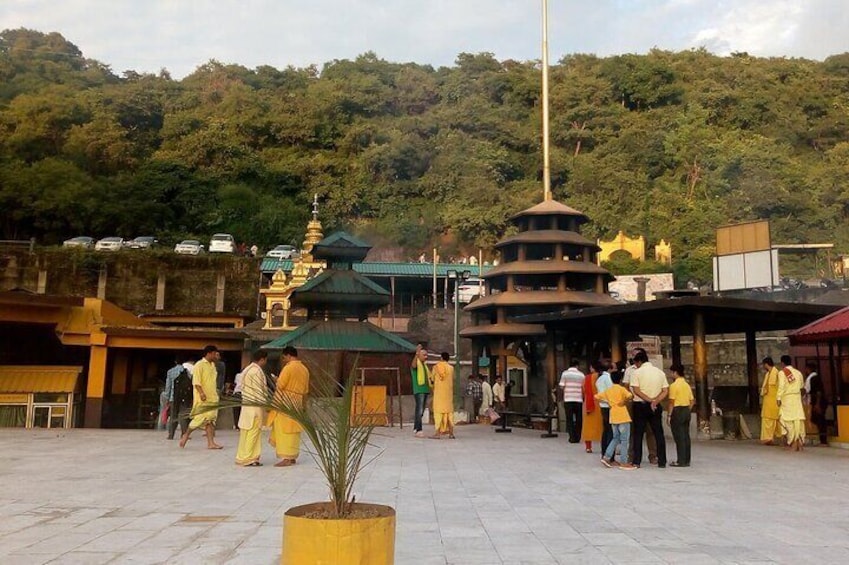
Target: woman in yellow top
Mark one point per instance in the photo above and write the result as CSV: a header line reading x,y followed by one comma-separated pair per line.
x,y
617,397
681,402
442,382
769,404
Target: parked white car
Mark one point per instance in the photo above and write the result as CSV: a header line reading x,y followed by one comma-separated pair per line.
x,y
109,244
470,290
222,243
189,247
82,241
282,252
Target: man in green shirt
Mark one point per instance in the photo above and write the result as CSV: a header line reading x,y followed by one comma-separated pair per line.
x,y
421,386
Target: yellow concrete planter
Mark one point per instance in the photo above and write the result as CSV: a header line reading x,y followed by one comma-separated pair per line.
x,y
357,541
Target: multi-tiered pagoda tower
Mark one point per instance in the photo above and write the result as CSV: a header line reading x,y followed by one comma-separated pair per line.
x,y
547,266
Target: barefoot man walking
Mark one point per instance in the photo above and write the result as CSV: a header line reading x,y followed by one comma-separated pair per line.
x,y
204,383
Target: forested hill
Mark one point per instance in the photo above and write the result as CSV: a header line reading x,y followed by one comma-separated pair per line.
x,y
669,145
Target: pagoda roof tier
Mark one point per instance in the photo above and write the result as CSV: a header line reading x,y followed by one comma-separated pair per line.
x,y
341,246
551,208
505,329
542,267
342,335
348,289
542,298
548,236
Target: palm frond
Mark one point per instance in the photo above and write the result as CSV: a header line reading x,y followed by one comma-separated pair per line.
x,y
339,440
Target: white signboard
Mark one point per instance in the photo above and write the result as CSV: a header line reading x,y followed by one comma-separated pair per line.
x,y
757,269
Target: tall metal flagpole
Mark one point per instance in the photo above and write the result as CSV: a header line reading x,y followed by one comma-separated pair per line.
x,y
546,160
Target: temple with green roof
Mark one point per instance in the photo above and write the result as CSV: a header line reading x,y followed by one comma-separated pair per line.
x,y
338,302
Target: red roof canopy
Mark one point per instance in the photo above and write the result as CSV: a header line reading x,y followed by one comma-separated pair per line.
x,y
832,327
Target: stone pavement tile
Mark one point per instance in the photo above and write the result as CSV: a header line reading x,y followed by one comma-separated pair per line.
x,y
60,544
84,558
625,554
79,515
206,553
177,536
473,557
255,556
27,558
116,541
19,508
11,524
609,539
264,536
449,531
504,524
655,538
585,556
731,554
102,524
154,521
685,557
420,559
513,547
144,555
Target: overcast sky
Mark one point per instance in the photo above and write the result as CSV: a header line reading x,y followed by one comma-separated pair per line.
x,y
146,35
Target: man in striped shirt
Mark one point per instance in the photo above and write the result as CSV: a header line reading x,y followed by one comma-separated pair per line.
x,y
572,383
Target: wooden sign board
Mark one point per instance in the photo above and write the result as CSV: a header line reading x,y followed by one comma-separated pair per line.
x,y
743,238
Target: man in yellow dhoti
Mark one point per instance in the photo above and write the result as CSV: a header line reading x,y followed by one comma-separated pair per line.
x,y
791,412
442,382
251,417
293,384
770,429
205,385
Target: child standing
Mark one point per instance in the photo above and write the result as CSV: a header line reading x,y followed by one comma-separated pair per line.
x,y
617,397
681,402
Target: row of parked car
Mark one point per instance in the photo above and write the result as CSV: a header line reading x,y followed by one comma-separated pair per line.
x,y
219,243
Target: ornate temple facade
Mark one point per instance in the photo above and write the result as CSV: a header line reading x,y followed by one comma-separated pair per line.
x,y
546,266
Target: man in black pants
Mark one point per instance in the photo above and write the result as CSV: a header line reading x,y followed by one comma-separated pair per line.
x,y
182,403
815,396
603,383
650,388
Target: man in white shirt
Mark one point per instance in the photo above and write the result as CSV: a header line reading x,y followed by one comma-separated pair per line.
x,y
572,383
650,387
499,395
487,394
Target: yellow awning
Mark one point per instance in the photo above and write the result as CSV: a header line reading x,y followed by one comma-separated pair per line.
x,y
39,378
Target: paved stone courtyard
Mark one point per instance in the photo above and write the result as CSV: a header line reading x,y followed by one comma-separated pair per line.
x,y
120,496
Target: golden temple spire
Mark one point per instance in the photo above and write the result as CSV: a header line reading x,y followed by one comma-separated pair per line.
x,y
314,233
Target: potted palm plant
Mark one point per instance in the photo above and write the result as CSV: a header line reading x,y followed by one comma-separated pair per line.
x,y
340,530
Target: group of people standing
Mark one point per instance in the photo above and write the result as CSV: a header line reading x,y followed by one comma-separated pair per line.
x,y
193,402
789,401
616,405
438,383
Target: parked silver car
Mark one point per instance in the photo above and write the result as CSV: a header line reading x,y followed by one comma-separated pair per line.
x,y
282,252
109,244
189,247
143,242
82,241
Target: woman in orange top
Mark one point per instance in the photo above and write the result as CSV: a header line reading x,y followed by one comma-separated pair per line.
x,y
593,425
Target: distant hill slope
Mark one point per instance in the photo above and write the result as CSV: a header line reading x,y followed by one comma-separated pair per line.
x,y
668,145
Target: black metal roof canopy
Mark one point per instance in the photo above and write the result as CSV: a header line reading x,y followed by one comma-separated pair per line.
x,y
674,316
